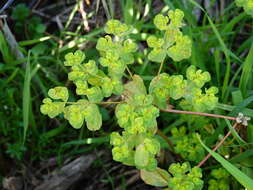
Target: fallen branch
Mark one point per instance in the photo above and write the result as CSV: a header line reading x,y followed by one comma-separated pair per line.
x,y
63,178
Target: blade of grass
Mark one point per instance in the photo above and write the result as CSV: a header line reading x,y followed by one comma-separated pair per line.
x,y
35,41
26,97
240,157
4,49
246,111
241,106
107,12
246,72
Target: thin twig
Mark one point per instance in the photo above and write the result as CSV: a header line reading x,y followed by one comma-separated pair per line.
x,y
217,146
199,113
84,16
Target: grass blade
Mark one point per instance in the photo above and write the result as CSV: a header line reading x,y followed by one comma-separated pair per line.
x,y
26,97
246,72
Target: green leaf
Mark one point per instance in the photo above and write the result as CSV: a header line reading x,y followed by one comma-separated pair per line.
x,y
107,87
157,178
135,87
59,92
155,42
158,88
237,97
75,115
94,94
161,22
157,55
176,18
116,27
182,49
93,117
52,109
91,67
74,59
242,178
20,12
141,157
104,44
129,46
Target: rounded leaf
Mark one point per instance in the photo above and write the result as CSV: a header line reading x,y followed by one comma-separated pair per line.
x,y
141,157
59,92
157,178
93,117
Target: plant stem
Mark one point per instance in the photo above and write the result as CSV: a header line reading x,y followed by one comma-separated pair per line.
x,y
128,70
101,103
217,146
160,68
199,113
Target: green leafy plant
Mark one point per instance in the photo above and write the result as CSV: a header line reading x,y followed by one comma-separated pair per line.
x,y
24,22
187,145
219,180
138,106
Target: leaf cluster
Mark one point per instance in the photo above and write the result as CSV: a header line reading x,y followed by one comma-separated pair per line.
x,y
189,90
220,180
185,177
187,145
173,43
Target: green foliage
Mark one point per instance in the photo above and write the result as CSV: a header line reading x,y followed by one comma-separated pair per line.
x,y
220,180
157,178
174,43
164,86
187,145
100,80
21,12
185,177
25,22
116,28
138,146
247,5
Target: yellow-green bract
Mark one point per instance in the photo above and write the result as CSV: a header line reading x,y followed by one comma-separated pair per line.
x,y
174,43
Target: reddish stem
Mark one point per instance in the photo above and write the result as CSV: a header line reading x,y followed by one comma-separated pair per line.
x,y
199,113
